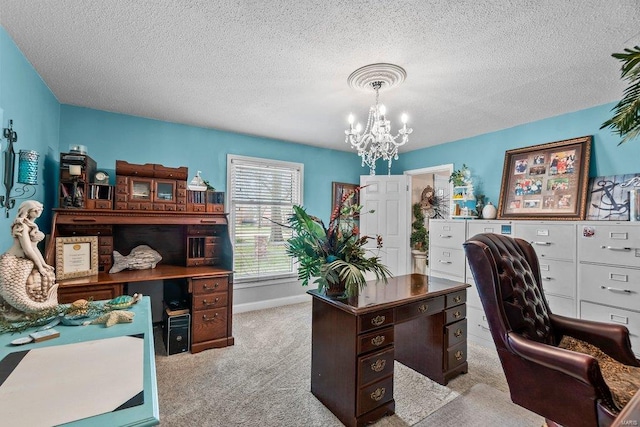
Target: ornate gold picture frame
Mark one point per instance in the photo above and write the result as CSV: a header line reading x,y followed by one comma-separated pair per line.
x,y
76,257
546,181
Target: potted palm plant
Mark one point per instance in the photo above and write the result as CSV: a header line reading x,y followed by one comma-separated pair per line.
x,y
335,254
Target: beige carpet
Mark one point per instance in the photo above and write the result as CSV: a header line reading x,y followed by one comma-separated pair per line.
x,y
264,379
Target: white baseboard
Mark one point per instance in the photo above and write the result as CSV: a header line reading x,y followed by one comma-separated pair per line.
x,y
276,302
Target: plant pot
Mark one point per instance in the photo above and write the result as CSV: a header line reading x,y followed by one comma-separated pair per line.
x,y
419,261
335,290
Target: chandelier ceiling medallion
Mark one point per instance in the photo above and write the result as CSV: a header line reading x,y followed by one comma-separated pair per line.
x,y
376,142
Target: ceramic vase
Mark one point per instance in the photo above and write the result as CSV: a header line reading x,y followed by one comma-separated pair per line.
x,y
489,211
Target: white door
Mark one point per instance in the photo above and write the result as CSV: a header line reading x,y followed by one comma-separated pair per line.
x,y
388,196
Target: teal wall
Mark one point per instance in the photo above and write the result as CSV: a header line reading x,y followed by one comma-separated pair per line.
x,y
110,137
35,111
484,154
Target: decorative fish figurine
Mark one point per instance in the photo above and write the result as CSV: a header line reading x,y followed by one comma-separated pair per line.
x,y
141,258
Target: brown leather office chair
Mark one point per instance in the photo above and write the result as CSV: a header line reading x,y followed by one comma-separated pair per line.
x,y
565,387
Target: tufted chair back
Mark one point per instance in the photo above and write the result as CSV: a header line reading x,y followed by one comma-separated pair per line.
x,y
511,287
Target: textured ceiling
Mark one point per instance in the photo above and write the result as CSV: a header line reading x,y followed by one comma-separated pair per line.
x,y
279,69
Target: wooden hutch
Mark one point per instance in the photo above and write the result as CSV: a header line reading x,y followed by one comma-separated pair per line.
x,y
195,248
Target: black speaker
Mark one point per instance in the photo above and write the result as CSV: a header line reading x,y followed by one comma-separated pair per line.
x,y
177,333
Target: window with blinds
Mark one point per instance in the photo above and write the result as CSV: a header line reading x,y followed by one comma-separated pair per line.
x,y
262,193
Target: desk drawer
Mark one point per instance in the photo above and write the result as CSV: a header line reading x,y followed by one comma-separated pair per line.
x,y
456,298
374,395
456,355
209,325
209,301
455,333
455,314
375,367
420,308
375,340
375,320
207,285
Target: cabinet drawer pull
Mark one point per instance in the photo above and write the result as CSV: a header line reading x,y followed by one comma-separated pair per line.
x,y
458,355
457,298
542,243
378,394
377,340
378,320
446,236
209,319
207,288
379,365
619,319
444,262
547,278
457,314
484,328
457,333
206,304
609,288
423,308
616,248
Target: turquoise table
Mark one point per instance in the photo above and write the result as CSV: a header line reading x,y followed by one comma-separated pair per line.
x,y
146,414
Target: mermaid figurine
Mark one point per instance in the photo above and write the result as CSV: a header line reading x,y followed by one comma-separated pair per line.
x,y
27,282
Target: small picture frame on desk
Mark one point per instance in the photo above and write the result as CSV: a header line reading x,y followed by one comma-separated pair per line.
x,y
76,257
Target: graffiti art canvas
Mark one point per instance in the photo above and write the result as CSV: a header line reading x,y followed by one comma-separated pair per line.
x,y
609,197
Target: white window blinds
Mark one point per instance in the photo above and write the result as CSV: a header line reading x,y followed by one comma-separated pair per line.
x,y
262,193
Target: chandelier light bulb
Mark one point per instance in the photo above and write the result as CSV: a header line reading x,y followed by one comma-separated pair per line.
x,y
382,110
351,119
358,128
404,119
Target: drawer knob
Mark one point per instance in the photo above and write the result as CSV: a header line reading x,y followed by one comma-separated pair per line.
x,y
378,394
207,288
379,365
457,314
378,320
206,304
458,333
377,340
458,355
457,298
423,308
209,319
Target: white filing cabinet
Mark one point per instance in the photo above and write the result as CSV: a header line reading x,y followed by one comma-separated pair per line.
x,y
555,244
609,274
446,255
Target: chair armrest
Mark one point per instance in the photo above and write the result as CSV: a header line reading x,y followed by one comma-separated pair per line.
x,y
577,365
611,338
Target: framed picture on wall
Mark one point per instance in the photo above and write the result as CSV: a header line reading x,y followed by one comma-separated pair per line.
x,y
339,190
546,181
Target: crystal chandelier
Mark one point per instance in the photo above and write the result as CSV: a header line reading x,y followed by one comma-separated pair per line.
x,y
377,142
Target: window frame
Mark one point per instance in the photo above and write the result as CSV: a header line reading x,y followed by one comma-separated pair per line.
x,y
266,163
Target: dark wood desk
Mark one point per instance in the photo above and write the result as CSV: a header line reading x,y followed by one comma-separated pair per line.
x,y
211,290
417,320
